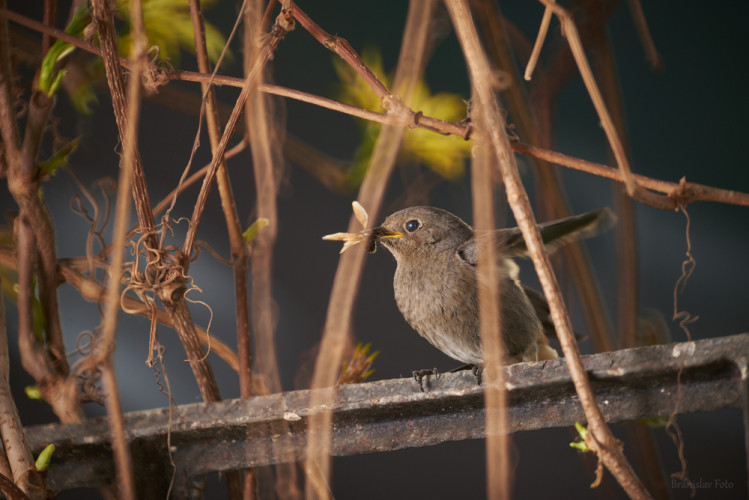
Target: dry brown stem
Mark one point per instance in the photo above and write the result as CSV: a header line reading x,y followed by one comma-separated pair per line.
x,y
95,292
344,50
103,16
602,441
578,52
499,476
128,126
641,24
266,160
684,192
645,458
551,202
231,125
348,273
265,145
238,247
8,487
171,290
46,361
626,237
16,455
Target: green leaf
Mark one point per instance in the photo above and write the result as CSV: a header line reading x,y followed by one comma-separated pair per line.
x,y
38,320
10,288
44,458
49,81
445,155
256,226
49,167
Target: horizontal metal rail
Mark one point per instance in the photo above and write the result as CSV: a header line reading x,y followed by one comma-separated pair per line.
x,y
394,414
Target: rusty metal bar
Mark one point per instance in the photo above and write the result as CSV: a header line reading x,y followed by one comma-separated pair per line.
x,y
394,414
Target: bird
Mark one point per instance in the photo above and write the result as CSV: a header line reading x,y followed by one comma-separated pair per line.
x,y
436,281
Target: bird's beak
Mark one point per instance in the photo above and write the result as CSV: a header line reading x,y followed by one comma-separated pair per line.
x,y
379,233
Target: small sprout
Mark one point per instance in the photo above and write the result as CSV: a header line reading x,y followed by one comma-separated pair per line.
x,y
49,79
49,167
44,458
583,432
369,235
33,392
256,226
360,367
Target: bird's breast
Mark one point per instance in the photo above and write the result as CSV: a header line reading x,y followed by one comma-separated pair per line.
x,y
440,304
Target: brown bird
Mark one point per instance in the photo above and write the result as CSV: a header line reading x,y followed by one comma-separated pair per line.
x,y
436,281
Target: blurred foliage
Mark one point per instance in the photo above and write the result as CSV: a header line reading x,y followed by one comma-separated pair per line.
x,y
168,25
33,392
10,289
445,155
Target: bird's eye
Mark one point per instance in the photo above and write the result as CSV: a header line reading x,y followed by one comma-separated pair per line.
x,y
412,225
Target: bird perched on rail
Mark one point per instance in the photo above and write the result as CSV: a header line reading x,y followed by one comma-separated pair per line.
x,y
436,281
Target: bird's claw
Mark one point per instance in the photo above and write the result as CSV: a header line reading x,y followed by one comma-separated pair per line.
x,y
420,374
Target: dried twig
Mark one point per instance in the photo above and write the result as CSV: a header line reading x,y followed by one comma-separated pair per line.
x,y
578,52
602,442
641,24
249,83
499,476
683,191
104,356
45,361
15,453
104,18
551,203
348,273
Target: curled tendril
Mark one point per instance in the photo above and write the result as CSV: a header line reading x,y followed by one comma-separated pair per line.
x,y
86,367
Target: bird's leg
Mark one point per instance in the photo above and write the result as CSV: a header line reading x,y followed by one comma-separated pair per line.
x,y
477,370
420,374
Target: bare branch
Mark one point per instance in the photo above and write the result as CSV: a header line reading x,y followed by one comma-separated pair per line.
x,y
348,273
603,443
104,19
239,250
641,24
499,475
15,453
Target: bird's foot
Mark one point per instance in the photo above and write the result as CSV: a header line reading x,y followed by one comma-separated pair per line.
x,y
420,374
477,370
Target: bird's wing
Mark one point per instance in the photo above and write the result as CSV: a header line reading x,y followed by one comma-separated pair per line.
x,y
510,242
538,301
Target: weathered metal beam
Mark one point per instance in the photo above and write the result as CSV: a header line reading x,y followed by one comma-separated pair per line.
x,y
393,414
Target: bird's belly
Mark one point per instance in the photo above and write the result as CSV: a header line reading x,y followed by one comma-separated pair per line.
x,y
445,313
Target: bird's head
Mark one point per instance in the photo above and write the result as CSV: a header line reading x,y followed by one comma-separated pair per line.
x,y
419,231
